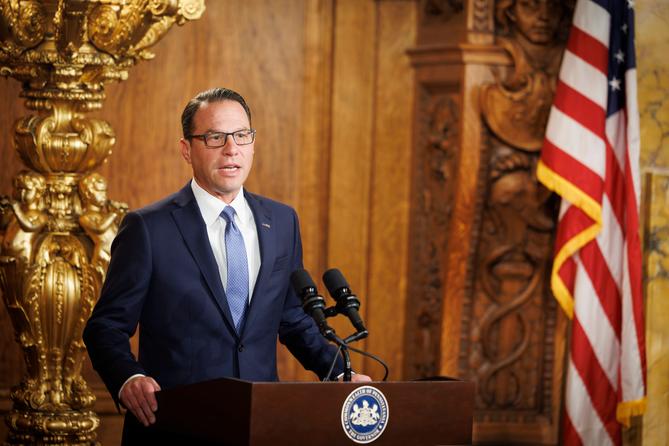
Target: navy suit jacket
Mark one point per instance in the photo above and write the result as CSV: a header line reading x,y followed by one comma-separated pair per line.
x,y
163,275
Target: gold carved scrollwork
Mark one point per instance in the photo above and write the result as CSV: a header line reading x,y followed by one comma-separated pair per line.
x,y
50,273
25,21
56,231
111,31
63,142
115,31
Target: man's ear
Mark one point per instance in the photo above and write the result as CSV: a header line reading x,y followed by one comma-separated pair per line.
x,y
185,150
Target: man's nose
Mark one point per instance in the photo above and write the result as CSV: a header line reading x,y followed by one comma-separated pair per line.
x,y
229,145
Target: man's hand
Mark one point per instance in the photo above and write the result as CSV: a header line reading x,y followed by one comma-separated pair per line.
x,y
138,395
360,378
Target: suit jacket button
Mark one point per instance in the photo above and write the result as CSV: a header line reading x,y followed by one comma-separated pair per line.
x,y
240,348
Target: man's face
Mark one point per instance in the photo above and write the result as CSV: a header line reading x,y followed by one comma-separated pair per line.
x,y
223,170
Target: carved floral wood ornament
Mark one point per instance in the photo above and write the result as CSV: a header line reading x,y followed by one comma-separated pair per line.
x,y
55,234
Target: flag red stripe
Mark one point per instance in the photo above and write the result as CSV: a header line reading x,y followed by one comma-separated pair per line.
x,y
580,108
607,289
569,435
573,222
568,273
592,117
614,186
573,171
589,49
602,394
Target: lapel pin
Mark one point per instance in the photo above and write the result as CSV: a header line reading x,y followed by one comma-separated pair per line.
x,y
266,225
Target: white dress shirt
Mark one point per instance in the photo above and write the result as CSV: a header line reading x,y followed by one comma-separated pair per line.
x,y
211,208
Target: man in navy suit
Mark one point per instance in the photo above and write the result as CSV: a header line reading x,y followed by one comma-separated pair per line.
x,y
205,273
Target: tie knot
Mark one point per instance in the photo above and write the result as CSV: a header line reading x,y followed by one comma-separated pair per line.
x,y
228,214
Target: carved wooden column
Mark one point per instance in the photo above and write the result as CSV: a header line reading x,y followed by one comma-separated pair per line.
x,y
482,226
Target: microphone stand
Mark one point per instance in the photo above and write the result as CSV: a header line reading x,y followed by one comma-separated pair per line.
x,y
347,364
347,357
330,334
343,346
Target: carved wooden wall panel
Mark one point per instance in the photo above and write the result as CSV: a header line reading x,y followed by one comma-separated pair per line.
x,y
510,348
482,226
435,163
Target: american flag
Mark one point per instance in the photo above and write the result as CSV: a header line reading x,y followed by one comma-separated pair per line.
x,y
590,158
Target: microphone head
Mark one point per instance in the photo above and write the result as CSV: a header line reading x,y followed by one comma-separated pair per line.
x,y
334,281
347,302
301,280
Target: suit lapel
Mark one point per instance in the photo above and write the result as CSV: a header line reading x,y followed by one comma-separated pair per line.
x,y
267,242
189,221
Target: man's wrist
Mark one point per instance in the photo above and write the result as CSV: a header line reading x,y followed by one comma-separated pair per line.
x,y
126,382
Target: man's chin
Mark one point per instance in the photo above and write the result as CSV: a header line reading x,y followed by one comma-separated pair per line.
x,y
228,190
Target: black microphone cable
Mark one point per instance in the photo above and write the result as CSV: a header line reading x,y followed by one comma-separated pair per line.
x,y
360,352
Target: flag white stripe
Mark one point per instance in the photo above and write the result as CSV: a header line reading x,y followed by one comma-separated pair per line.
x,y
617,136
564,207
577,141
581,413
595,323
610,241
584,78
630,364
592,19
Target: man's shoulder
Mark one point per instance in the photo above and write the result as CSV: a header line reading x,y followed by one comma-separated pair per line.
x,y
166,205
268,203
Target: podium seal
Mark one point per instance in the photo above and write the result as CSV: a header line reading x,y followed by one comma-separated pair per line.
x,y
364,415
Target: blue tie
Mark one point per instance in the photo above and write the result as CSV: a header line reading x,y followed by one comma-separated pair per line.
x,y
237,290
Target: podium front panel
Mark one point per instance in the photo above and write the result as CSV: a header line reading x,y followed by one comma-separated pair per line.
x,y
240,413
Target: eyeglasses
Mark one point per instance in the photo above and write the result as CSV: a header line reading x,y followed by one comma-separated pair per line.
x,y
218,139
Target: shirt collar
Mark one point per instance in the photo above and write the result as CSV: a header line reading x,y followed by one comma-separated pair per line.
x,y
211,207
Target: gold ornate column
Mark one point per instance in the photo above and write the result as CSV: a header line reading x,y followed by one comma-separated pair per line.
x,y
55,233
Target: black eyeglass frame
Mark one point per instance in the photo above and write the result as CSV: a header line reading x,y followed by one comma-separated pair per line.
x,y
206,136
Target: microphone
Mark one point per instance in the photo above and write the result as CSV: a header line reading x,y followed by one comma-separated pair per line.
x,y
347,302
312,302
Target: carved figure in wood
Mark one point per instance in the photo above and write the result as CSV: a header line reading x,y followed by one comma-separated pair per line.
x,y
516,107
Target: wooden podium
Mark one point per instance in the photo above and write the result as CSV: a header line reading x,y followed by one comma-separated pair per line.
x,y
233,412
